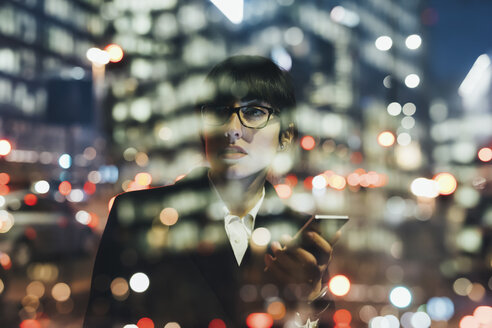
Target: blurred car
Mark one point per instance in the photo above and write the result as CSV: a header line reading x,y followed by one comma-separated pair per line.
x,y
41,229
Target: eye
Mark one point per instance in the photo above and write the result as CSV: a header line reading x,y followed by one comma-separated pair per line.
x,y
253,112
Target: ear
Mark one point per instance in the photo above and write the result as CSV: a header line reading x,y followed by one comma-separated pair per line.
x,y
287,137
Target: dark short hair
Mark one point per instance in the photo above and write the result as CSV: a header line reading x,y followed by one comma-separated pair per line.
x,y
249,77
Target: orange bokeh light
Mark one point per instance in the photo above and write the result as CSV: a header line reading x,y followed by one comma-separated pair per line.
x,y
284,191
30,199
342,316
115,52
89,188
94,221
169,216
485,154
291,180
339,285
5,261
217,323
308,183
30,323
259,320
65,188
446,183
145,323
386,139
277,310
308,143
4,178
5,147
4,190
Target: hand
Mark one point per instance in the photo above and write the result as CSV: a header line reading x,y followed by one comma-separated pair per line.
x,y
301,263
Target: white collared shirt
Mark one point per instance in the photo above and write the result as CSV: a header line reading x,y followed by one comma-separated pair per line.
x,y
238,229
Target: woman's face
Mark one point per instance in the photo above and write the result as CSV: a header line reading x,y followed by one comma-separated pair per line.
x,y
235,151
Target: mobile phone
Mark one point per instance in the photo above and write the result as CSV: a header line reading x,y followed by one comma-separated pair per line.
x,y
326,225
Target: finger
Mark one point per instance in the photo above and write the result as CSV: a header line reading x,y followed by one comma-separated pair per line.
x,y
302,271
279,274
321,248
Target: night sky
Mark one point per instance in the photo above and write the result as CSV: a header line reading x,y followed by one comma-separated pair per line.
x,y
463,32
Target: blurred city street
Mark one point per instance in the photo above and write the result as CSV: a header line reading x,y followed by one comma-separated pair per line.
x,y
394,122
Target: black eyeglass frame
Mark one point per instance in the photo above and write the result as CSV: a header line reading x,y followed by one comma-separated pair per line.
x,y
235,110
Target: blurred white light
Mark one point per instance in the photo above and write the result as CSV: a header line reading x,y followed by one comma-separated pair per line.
x,y
282,58
440,308
404,139
130,326
120,112
282,163
409,109
420,320
65,161
165,133
142,23
344,16
413,41
408,122
467,197
405,320
474,76
98,56
232,9
394,109
423,187
76,195
83,217
438,110
293,36
139,282
42,187
400,297
412,81
2,201
141,109
77,73
319,182
261,236
470,240
409,157
387,82
392,321
384,43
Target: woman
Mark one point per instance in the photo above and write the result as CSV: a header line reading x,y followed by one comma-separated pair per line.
x,y
189,250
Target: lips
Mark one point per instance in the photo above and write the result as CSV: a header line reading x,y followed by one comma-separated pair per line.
x,y
233,152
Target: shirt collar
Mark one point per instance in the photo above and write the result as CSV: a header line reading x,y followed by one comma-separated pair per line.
x,y
227,213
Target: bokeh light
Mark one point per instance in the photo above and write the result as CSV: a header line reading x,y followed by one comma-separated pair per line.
x,y
400,297
259,320
115,52
342,317
446,183
412,81
30,199
483,314
469,321
261,236
143,179
41,187
308,143
440,308
65,188
485,154
65,161
5,147
413,41
139,282
386,139
339,285
217,323
284,191
145,323
169,216
61,292
383,43
277,310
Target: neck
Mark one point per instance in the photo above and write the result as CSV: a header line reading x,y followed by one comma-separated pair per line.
x,y
239,195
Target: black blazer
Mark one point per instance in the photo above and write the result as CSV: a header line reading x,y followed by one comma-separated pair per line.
x,y
193,274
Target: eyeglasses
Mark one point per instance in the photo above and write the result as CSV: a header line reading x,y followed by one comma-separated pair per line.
x,y
250,116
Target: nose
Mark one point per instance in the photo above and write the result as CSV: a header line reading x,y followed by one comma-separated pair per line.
x,y
233,129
